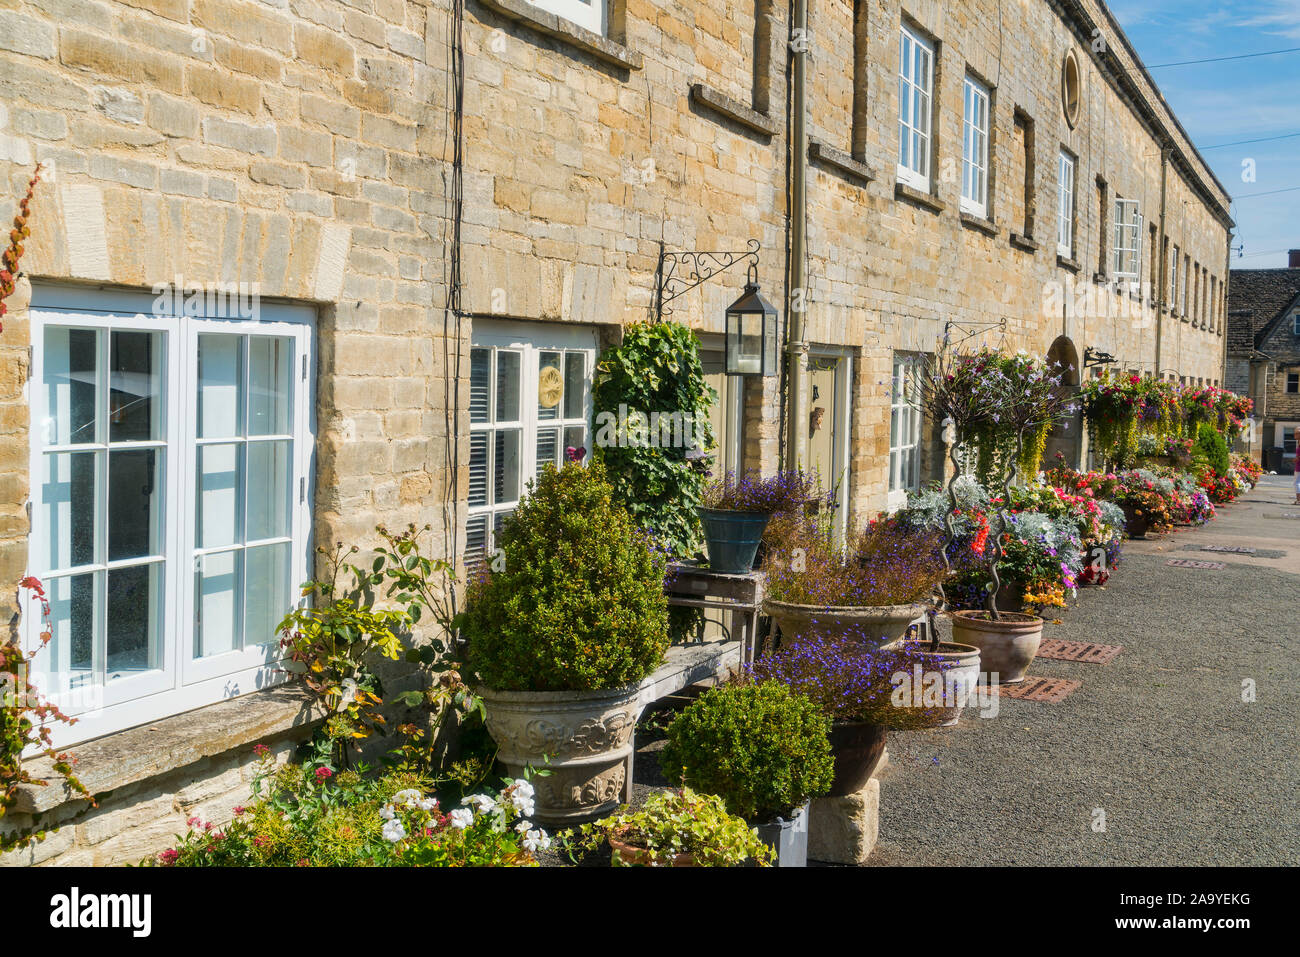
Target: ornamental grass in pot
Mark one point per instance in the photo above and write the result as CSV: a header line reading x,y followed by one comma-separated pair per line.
x,y
854,685
736,509
870,592
562,636
762,749
678,828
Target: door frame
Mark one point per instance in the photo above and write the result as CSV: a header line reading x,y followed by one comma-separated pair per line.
x,y
842,444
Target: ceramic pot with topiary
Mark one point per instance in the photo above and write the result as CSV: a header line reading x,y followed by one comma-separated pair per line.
x,y
763,749
562,637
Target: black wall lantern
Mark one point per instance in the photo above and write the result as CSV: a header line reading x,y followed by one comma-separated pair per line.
x,y
751,321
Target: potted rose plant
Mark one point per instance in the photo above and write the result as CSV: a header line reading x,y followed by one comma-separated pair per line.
x,y
562,636
763,749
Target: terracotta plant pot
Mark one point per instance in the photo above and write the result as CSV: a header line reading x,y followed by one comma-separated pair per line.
x,y
959,679
634,856
873,625
1007,646
582,738
1136,523
857,748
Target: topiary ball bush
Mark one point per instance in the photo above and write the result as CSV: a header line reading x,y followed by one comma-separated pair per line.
x,y
759,746
579,604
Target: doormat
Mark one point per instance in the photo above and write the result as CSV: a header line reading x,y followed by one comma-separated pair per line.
x,y
1191,563
1087,651
1053,690
1233,549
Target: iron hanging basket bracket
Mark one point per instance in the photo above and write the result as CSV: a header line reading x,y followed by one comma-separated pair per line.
x,y
1095,357
970,330
680,272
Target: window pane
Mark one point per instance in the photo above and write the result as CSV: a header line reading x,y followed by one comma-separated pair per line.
x,y
508,368
134,619
69,658
216,585
69,510
549,377
475,542
478,468
270,474
267,570
480,375
548,441
217,510
574,385
505,466
221,373
269,382
575,437
135,387
135,503
71,385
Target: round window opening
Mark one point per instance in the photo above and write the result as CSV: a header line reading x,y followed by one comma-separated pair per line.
x,y
1070,85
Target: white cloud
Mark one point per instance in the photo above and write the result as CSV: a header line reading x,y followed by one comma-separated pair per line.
x,y
1277,17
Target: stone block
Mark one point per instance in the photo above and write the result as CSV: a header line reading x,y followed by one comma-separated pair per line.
x,y
27,35
843,830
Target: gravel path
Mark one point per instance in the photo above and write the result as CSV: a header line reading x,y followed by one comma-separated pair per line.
x,y
1160,739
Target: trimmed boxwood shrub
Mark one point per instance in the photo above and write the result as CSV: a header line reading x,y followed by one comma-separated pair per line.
x,y
759,746
1211,449
579,603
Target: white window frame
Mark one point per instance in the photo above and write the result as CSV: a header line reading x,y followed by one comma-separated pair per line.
x,y
1295,323
1173,281
1065,170
588,15
1128,239
904,440
529,340
178,684
1287,383
915,96
976,101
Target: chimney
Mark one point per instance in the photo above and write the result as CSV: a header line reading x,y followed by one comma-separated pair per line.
x,y
1293,259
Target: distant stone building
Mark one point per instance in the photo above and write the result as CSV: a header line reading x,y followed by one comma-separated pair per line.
x,y
439,213
1264,354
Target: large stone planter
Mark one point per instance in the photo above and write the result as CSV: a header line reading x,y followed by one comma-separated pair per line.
x,y
1007,645
873,625
582,738
960,667
857,747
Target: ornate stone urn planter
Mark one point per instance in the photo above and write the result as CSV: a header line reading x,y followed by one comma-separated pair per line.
x,y
582,738
1007,646
873,625
952,671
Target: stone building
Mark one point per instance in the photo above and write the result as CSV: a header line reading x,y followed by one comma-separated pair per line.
x,y
1264,356
300,266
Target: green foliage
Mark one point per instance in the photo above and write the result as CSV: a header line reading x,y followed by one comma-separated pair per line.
x,y
760,747
1211,450
579,604
656,369
677,822
25,719
308,815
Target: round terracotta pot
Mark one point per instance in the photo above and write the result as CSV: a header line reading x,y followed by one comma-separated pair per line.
x,y
1136,524
632,856
857,748
873,625
957,684
1007,646
582,738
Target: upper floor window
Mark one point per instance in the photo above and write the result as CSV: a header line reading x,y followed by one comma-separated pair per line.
x,y
1295,324
975,148
1173,280
585,13
905,426
1128,239
170,461
1065,205
1293,382
915,91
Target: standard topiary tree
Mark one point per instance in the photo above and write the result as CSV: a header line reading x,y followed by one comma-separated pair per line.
x,y
759,746
579,603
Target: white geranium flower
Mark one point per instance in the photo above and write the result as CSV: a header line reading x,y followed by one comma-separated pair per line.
x,y
537,840
410,797
522,800
461,818
485,804
428,804
393,831
387,812
522,827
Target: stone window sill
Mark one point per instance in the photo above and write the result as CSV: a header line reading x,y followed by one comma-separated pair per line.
x,y
137,754
978,223
1100,278
733,110
918,197
840,161
1065,262
544,22
1027,243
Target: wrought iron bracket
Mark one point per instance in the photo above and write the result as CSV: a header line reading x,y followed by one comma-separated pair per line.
x,y
680,272
1095,357
971,329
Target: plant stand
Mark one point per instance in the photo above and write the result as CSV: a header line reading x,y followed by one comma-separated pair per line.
x,y
691,586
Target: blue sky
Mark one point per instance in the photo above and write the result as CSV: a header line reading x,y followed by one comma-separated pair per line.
x,y
1225,102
